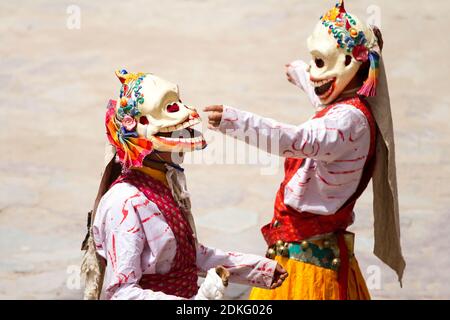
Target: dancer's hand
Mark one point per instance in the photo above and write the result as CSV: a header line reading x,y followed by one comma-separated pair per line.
x,y
279,276
289,75
213,288
214,116
294,69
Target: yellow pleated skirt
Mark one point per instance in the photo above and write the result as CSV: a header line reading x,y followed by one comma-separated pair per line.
x,y
309,282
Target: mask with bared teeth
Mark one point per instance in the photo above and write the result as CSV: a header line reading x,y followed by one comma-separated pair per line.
x,y
148,116
339,45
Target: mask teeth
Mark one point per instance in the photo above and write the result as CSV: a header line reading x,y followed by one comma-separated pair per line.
x,y
369,88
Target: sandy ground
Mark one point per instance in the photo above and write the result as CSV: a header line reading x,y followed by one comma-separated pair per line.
x,y
55,83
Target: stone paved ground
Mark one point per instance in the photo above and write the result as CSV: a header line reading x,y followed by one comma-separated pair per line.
x,y
55,83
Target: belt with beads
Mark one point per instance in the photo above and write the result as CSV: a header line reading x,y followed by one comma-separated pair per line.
x,y
321,251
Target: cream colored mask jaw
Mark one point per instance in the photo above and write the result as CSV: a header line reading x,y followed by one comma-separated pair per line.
x,y
163,119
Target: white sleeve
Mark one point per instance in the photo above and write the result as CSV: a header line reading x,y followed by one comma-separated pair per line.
x,y
325,139
245,269
123,243
298,70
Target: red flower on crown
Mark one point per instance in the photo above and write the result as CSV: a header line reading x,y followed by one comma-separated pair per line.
x,y
361,53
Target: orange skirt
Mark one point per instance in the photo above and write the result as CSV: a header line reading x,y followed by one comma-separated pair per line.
x,y
309,282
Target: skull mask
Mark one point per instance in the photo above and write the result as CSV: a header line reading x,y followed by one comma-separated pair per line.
x,y
149,115
339,45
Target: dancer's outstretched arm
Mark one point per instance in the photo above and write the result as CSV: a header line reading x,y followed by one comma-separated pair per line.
x,y
327,138
248,269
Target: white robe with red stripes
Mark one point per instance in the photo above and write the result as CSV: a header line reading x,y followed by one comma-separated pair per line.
x,y
135,239
335,148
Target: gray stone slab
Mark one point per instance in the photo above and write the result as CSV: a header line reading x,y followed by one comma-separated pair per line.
x,y
228,220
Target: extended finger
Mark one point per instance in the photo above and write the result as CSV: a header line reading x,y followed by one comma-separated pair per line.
x,y
280,268
215,116
213,108
277,284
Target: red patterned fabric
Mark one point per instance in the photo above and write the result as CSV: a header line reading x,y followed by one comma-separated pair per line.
x,y
181,280
295,226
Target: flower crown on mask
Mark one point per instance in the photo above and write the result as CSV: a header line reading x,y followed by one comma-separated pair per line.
x,y
343,28
121,121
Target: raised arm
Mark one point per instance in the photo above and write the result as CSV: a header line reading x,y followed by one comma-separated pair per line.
x,y
297,73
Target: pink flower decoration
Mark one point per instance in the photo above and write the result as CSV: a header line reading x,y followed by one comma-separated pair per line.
x,y
361,53
129,123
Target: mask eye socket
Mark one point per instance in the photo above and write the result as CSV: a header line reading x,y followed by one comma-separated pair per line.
x,y
143,120
348,60
172,108
319,63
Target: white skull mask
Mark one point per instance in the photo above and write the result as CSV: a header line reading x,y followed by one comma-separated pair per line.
x,y
339,45
150,116
164,120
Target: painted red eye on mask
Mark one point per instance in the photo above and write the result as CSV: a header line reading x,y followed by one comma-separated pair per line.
x,y
143,120
173,108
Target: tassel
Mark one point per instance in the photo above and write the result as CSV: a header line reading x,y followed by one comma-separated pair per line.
x,y
93,268
369,88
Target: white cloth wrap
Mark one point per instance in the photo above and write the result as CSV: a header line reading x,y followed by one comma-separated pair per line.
x,y
212,288
177,183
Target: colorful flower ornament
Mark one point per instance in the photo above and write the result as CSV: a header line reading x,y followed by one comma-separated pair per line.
x,y
343,28
121,123
129,123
